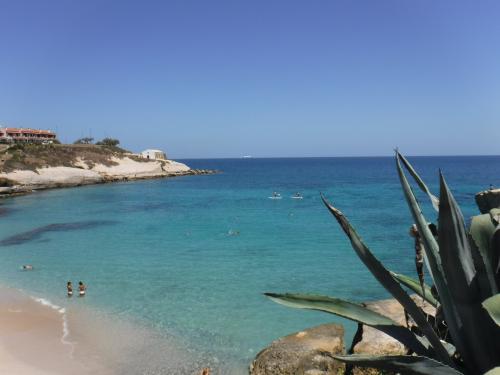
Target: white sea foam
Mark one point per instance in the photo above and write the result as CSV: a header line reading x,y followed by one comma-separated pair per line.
x,y
65,326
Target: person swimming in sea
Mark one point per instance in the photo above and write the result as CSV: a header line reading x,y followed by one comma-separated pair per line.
x,y
233,232
69,287
81,289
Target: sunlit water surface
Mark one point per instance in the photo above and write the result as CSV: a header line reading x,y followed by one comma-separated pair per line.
x,y
189,258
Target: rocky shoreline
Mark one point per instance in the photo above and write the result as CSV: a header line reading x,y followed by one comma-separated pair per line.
x,y
27,168
25,181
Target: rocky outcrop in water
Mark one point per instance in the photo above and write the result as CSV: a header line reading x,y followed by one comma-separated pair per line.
x,y
28,167
109,167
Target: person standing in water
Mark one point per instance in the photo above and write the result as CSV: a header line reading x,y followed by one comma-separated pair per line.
x,y
81,289
69,287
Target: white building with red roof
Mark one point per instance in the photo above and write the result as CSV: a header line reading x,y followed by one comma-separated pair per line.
x,y
26,135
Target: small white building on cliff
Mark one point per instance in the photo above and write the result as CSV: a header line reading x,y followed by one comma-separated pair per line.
x,y
154,154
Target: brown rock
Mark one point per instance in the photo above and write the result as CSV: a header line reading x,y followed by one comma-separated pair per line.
x,y
375,342
488,199
302,353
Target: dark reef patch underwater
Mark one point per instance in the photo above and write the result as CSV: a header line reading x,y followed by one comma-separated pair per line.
x,y
36,233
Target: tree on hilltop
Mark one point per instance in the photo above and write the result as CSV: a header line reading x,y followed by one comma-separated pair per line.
x,y
84,141
108,142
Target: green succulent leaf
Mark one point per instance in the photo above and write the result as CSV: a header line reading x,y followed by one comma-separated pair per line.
x,y
492,305
431,249
420,182
414,285
481,233
351,311
337,306
405,364
478,334
493,371
454,248
385,278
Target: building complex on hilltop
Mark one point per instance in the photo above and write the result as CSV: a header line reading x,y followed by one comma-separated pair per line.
x,y
25,135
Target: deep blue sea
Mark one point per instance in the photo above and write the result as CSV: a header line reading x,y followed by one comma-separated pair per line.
x,y
191,256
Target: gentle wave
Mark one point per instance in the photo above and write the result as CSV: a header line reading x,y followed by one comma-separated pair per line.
x,y
62,311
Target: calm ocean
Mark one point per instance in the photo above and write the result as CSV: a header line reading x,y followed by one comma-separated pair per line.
x,y
190,257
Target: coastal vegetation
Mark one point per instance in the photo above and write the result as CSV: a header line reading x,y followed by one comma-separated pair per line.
x,y
463,335
33,156
113,142
84,141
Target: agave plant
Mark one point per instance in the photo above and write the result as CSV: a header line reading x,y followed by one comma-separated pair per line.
x,y
464,266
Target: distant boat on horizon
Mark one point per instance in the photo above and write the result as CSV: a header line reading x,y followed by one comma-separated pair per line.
x,y
247,156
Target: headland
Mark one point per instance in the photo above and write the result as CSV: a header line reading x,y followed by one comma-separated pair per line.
x,y
28,167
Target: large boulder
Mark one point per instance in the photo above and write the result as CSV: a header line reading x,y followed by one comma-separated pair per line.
x,y
488,199
302,353
375,342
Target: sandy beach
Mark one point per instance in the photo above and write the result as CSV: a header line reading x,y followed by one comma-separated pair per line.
x,y
40,338
34,339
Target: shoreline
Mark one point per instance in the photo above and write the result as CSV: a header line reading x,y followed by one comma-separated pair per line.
x,y
35,339
24,189
38,337
27,168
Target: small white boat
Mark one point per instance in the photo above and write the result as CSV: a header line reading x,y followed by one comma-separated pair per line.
x,y
278,197
297,196
275,196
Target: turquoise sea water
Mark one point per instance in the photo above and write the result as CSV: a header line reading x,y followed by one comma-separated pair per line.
x,y
191,256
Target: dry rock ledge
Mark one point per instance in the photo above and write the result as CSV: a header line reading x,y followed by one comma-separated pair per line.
x,y
309,352
84,172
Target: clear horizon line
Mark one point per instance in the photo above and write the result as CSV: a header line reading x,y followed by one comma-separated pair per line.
x,y
343,156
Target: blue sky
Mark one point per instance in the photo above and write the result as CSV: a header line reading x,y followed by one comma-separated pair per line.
x,y
262,77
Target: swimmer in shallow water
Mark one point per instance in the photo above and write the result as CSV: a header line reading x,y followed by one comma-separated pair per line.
x,y
69,287
81,289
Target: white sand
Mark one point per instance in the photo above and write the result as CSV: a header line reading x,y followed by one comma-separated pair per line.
x,y
32,339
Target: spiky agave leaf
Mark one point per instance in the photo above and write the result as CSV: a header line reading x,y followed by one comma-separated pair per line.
x,y
405,364
431,249
434,200
414,285
351,311
481,232
479,334
454,248
492,306
389,283
495,245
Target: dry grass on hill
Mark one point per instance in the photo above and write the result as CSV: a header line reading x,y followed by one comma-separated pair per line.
x,y
34,156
